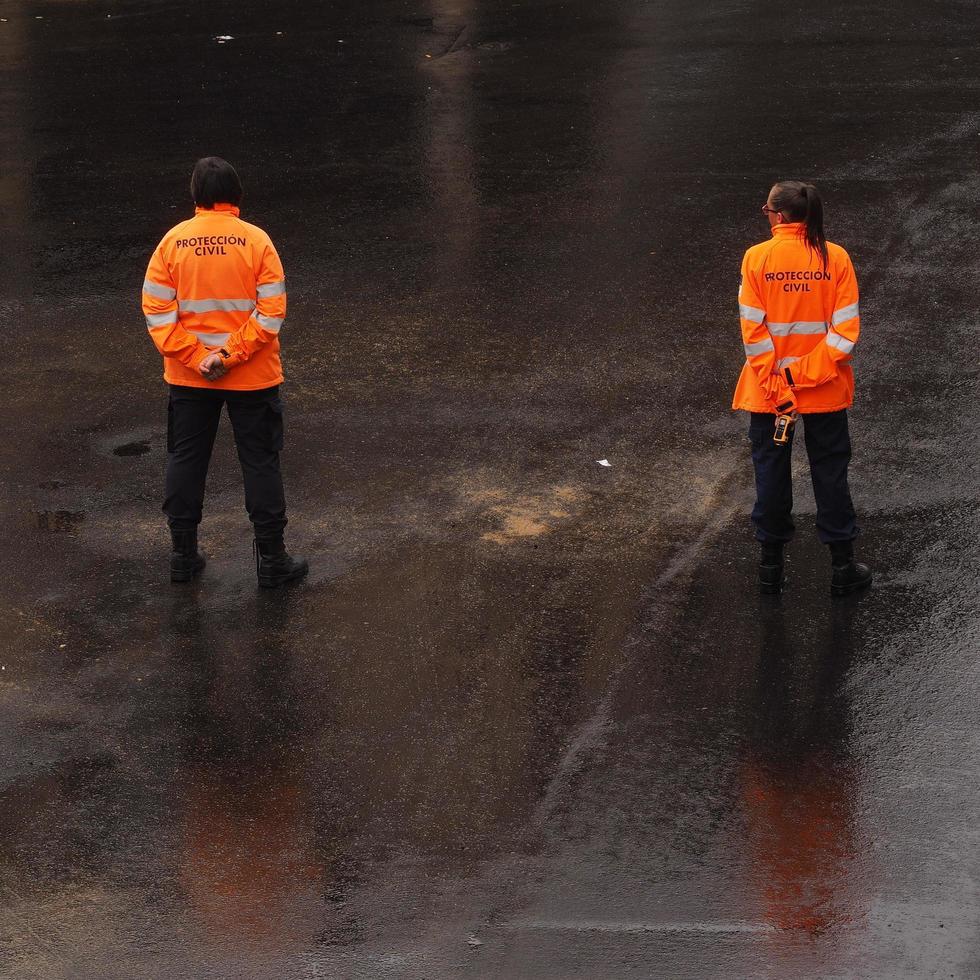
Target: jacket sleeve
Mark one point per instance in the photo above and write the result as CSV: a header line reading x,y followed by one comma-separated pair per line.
x,y
160,310
270,310
760,352
821,364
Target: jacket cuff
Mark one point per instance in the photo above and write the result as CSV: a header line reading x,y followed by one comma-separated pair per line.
x,y
191,357
231,358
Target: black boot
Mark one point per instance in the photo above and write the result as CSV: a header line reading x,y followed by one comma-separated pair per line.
x,y
771,568
185,561
848,575
274,565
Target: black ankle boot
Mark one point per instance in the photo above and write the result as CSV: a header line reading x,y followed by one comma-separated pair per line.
x,y
771,568
847,575
185,560
274,565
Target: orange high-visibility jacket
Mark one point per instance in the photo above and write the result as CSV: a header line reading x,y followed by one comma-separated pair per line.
x,y
214,282
800,323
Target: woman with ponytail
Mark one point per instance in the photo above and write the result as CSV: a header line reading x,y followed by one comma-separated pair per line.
x,y
798,305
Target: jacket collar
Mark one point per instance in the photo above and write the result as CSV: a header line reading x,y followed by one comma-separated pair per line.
x,y
219,209
792,228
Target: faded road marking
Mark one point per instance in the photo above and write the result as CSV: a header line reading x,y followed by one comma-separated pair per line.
x,y
596,925
720,508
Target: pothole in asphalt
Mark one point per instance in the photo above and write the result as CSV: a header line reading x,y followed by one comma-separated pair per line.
x,y
138,448
59,521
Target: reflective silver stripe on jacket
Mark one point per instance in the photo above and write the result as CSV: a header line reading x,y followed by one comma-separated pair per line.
x,y
270,323
840,343
797,327
160,292
785,362
268,289
216,305
845,313
161,319
211,339
762,347
751,314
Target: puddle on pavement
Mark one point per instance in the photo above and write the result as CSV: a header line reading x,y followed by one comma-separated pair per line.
x,y
139,447
59,521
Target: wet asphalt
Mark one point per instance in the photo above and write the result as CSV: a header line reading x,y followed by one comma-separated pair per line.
x,y
528,717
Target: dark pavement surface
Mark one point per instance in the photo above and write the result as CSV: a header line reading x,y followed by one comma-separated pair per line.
x,y
528,717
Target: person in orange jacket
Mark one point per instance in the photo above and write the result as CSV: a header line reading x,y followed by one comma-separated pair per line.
x,y
798,306
214,298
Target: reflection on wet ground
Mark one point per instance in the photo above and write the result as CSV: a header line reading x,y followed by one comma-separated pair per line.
x,y
527,717
799,780
139,448
58,520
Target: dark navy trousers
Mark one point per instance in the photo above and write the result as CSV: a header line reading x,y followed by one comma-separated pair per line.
x,y
192,423
828,445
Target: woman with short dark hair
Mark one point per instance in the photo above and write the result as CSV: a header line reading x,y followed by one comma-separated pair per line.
x,y
798,305
215,181
214,298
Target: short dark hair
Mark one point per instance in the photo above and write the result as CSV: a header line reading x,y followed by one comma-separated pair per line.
x,y
215,181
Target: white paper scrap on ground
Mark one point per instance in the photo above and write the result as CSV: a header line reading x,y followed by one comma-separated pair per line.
x,y
603,462
224,37
473,941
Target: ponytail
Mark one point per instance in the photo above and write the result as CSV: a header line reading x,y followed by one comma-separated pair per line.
x,y
801,202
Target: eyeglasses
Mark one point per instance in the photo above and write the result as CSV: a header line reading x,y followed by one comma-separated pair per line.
x,y
768,210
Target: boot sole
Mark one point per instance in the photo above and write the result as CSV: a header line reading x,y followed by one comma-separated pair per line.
x,y
842,590
179,576
267,582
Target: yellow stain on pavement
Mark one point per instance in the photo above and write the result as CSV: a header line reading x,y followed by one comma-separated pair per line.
x,y
527,516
